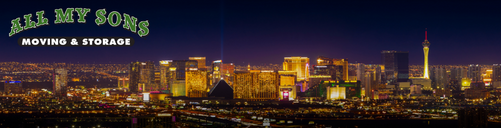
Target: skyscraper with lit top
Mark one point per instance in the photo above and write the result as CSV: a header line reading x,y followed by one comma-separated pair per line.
x,y
301,66
426,48
200,60
298,64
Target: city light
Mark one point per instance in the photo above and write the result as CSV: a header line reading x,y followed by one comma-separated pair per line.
x,y
367,68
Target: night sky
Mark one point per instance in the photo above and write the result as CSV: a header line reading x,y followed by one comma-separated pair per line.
x,y
265,31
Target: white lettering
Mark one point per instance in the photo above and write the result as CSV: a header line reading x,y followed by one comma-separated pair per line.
x,y
34,41
120,41
26,41
97,41
127,41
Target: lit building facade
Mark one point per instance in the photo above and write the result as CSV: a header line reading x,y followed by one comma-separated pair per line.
x,y
426,83
123,83
60,82
416,89
166,75
216,68
439,77
361,72
465,83
147,77
13,87
457,74
196,83
134,76
227,73
200,61
256,85
315,80
336,72
336,93
287,77
178,88
324,61
298,64
426,49
287,87
475,73
352,89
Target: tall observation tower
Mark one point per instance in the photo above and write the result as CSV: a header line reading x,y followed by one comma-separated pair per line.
x,y
426,48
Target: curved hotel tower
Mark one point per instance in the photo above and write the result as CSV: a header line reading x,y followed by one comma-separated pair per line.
x,y
426,48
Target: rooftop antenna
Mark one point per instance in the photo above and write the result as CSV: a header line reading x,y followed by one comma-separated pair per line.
x,y
426,34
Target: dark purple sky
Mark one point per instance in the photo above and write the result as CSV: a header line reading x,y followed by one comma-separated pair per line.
x,y
264,31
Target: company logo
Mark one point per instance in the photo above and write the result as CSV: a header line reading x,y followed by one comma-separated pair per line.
x,y
129,23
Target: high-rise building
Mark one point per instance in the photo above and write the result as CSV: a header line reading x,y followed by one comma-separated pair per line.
x,y
302,67
360,72
396,66
134,76
316,80
496,76
368,84
60,82
438,78
475,73
426,48
298,64
336,72
176,75
457,74
324,61
227,73
196,83
216,68
123,83
378,73
370,78
166,75
256,85
157,80
13,87
321,61
142,77
287,89
200,61
147,77
181,67
344,63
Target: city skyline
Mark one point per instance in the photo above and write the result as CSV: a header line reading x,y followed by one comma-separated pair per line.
x,y
250,63
356,31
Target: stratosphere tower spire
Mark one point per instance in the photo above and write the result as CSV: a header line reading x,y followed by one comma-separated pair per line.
x,y
426,48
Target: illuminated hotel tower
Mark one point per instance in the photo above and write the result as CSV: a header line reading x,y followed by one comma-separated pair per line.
x,y
200,60
298,64
426,48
